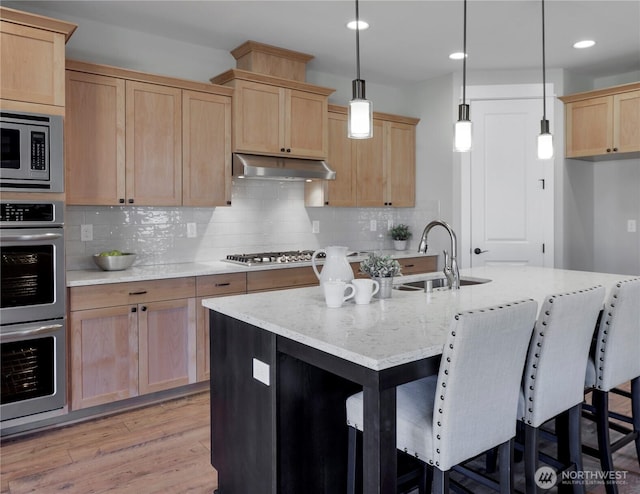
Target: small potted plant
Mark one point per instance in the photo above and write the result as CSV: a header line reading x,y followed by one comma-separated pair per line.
x,y
400,234
382,269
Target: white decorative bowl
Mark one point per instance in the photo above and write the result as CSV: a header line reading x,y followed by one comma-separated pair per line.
x,y
115,263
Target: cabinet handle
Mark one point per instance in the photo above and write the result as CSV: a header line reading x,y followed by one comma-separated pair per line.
x,y
121,200
144,308
608,150
141,292
228,203
282,150
222,284
409,265
130,201
134,309
288,150
326,203
615,150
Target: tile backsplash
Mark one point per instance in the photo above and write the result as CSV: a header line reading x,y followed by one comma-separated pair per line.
x,y
264,216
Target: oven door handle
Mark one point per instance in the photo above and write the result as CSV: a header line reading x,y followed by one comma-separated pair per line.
x,y
19,335
31,238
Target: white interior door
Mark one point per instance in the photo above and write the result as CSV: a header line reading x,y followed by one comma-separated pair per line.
x,y
511,196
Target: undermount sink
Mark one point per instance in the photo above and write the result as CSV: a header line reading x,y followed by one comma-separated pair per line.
x,y
435,284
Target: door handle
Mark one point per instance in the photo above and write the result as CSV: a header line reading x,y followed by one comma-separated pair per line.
x,y
478,250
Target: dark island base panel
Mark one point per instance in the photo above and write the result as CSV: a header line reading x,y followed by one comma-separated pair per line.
x,y
295,427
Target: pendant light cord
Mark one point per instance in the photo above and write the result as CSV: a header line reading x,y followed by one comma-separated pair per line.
x,y
357,42
544,84
464,54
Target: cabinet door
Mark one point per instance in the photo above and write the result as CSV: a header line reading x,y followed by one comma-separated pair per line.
x,y
589,125
305,124
626,118
167,333
400,164
32,64
341,192
94,139
258,118
153,144
104,355
370,168
206,144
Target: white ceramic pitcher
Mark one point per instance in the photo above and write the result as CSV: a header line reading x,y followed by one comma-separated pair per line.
x,y
336,267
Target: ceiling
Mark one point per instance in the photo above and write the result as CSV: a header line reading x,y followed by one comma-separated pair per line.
x,y
408,41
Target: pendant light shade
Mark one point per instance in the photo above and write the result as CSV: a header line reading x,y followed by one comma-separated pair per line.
x,y
545,139
360,113
462,130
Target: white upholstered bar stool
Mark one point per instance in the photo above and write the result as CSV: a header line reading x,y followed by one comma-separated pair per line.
x,y
471,405
553,382
615,361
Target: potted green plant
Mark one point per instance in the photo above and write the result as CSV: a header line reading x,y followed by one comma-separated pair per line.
x,y
382,269
400,234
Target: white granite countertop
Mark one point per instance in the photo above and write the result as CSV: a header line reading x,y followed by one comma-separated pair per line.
x,y
96,276
408,326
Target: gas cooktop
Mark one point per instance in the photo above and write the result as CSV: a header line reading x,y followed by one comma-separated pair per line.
x,y
283,257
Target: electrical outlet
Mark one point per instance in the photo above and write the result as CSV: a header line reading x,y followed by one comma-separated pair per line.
x,y
389,224
191,230
373,225
86,233
315,226
631,226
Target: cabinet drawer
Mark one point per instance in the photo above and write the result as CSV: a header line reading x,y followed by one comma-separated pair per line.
x,y
221,284
114,294
415,265
274,279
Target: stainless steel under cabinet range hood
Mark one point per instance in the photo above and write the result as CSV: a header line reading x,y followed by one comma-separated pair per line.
x,y
280,168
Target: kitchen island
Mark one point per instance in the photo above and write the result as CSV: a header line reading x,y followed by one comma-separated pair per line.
x,y
283,364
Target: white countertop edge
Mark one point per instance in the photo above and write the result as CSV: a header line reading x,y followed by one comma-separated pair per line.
x,y
371,363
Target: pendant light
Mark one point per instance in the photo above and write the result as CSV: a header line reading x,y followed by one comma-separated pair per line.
x,y
545,139
360,114
462,128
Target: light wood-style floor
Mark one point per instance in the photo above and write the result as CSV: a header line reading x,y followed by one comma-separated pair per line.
x,y
158,449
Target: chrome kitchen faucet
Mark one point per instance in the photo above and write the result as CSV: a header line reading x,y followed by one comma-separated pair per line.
x,y
450,261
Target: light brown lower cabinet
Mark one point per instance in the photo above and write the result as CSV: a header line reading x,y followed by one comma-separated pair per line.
x,y
145,342
215,285
104,356
130,339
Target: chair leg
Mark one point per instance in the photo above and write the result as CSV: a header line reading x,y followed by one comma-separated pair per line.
x,y
575,444
530,458
491,460
440,481
635,412
601,405
505,456
351,460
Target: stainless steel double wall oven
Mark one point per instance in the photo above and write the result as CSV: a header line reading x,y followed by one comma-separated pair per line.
x,y
32,310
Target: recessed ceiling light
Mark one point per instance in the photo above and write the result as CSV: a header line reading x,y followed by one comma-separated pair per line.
x,y
587,43
458,56
362,25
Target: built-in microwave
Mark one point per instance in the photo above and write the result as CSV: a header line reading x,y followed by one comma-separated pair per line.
x,y
32,152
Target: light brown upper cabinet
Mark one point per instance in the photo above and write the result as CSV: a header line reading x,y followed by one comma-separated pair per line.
x,y
276,116
206,149
374,172
32,61
139,139
603,123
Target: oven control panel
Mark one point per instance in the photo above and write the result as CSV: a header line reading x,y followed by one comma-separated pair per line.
x,y
16,214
